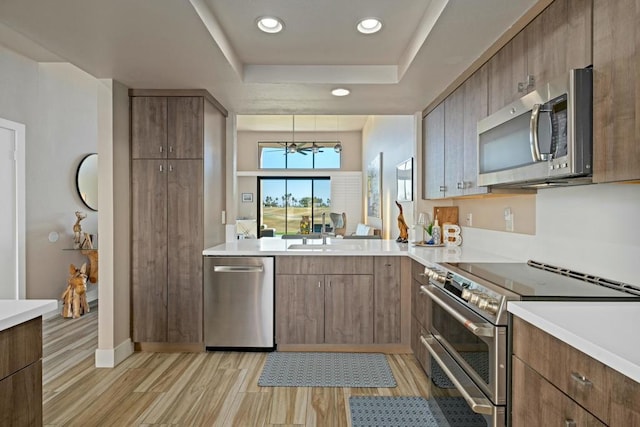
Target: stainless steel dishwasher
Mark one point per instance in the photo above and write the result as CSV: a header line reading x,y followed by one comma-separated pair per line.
x,y
239,303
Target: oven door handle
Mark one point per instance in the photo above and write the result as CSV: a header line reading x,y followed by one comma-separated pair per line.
x,y
476,406
478,330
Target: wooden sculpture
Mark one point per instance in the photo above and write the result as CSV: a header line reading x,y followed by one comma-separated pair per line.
x,y
402,225
77,230
74,298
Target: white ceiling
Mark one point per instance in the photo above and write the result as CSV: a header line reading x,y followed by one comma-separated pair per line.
x,y
215,45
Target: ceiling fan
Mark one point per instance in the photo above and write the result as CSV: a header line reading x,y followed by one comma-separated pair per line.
x,y
301,148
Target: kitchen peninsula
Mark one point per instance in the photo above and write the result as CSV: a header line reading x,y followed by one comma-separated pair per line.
x,y
21,360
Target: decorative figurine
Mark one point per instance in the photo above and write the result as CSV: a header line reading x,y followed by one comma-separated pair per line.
x,y
402,225
74,298
305,225
78,237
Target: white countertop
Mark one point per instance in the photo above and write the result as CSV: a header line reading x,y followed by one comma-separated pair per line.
x,y
352,247
606,331
13,312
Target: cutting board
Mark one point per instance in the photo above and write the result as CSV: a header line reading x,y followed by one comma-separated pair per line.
x,y
446,214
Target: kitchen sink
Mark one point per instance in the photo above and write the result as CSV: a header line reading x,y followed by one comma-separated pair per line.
x,y
326,247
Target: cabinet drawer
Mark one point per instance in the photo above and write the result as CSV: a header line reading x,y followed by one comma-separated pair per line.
x,y
324,265
581,377
536,402
20,346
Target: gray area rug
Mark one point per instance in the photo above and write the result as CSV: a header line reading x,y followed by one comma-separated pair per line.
x,y
385,411
478,360
289,369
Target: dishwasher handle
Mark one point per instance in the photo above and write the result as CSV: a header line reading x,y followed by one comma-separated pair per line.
x,y
238,268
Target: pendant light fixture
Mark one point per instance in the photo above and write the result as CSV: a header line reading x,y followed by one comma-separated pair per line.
x,y
338,147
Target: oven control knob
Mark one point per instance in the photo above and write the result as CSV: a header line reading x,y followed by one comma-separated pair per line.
x,y
492,306
475,297
466,294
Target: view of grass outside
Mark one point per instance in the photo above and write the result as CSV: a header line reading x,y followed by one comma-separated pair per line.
x,y
285,201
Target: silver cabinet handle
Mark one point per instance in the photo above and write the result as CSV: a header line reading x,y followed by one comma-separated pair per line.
x,y
171,149
477,329
319,283
161,168
238,269
477,407
170,168
461,186
581,379
569,423
161,149
443,188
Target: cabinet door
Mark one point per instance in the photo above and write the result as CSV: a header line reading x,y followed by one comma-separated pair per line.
x,y
148,127
558,40
185,245
433,153
299,309
616,90
185,118
625,400
536,402
21,397
149,250
387,300
475,108
454,143
348,309
507,68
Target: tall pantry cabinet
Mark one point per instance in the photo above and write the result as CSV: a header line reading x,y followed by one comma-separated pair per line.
x,y
177,198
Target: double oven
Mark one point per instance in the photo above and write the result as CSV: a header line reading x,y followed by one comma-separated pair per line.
x,y
465,322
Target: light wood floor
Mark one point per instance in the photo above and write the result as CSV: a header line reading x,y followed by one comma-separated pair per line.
x,y
201,389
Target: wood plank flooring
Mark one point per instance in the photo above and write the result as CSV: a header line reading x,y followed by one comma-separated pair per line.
x,y
187,389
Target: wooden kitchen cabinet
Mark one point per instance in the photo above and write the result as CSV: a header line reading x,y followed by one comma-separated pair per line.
x,y
433,153
536,402
174,140
300,309
167,234
387,300
419,315
451,141
616,91
556,41
21,374
563,365
348,309
167,127
347,301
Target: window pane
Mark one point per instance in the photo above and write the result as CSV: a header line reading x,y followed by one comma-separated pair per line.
x,y
273,212
272,156
321,203
300,160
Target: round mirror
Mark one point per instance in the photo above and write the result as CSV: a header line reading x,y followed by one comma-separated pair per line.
x,y
87,181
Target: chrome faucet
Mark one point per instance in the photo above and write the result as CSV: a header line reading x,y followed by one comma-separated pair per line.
x,y
323,231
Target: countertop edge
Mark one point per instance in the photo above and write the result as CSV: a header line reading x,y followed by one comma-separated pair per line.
x,y
33,309
599,353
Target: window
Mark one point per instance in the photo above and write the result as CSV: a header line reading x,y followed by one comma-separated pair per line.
x,y
283,202
299,155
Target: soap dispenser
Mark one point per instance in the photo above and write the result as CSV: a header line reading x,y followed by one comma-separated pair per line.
x,y
436,232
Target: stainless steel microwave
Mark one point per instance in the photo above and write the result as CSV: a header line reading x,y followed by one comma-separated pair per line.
x,y
542,139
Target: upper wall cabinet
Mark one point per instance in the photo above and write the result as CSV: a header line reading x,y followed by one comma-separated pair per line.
x,y
556,41
167,127
616,90
450,136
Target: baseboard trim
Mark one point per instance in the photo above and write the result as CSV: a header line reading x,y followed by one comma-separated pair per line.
x,y
111,357
167,347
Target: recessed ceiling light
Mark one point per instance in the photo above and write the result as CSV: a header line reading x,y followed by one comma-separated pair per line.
x,y
340,91
270,24
369,25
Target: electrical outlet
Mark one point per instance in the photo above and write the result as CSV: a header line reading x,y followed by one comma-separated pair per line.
x,y
469,220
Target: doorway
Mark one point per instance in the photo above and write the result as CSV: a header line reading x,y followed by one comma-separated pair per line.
x,y
12,210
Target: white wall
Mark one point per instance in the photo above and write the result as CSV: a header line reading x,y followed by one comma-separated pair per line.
x,y
58,105
592,229
394,137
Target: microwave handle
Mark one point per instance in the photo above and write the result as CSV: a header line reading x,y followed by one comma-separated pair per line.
x,y
477,329
534,141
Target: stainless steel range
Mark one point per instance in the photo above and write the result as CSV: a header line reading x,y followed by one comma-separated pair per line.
x,y
468,325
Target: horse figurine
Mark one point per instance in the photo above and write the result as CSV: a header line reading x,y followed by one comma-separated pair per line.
x,y
78,239
74,298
